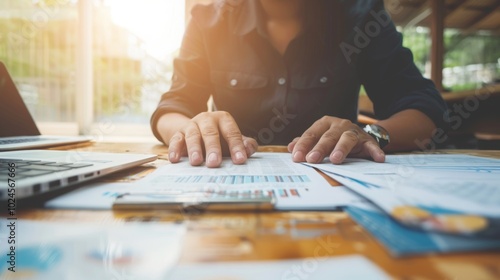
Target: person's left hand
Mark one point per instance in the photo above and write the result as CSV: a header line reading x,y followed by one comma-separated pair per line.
x,y
336,138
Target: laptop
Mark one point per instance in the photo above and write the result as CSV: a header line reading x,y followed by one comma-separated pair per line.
x,y
29,173
18,130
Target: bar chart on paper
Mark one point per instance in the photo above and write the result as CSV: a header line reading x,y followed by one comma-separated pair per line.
x,y
294,185
237,179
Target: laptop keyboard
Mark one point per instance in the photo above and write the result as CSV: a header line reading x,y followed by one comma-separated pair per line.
x,y
33,168
21,140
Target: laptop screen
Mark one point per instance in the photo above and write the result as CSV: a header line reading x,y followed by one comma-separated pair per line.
x,y
15,119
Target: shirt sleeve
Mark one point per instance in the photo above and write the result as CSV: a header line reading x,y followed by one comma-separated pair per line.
x,y
191,86
389,75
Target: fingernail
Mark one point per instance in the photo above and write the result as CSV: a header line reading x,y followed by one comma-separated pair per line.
x,y
171,156
212,158
195,157
298,156
239,156
338,156
313,156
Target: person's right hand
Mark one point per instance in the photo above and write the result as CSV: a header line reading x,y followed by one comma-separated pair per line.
x,y
204,133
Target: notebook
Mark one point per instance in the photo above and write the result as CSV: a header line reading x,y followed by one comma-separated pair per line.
x,y
18,130
24,174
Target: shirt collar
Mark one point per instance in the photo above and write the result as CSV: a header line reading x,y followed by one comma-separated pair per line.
x,y
248,18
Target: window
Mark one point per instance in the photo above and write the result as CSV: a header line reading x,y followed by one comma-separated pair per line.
x,y
471,58
471,61
132,47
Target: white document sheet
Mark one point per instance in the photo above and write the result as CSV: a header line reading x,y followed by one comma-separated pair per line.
x,y
345,267
295,186
96,196
58,250
443,185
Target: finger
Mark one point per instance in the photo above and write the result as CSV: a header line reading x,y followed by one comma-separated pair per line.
x,y
176,147
211,138
291,145
231,133
348,140
251,145
324,146
375,152
193,139
308,139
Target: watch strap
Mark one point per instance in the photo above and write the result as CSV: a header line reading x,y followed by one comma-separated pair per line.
x,y
378,133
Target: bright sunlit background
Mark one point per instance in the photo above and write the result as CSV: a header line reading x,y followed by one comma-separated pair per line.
x,y
159,23
133,44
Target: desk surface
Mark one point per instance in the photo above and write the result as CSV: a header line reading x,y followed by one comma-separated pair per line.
x,y
265,236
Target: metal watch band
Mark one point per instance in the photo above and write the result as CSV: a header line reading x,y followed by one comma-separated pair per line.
x,y
378,133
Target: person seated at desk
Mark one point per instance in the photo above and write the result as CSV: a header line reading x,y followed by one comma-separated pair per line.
x,y
288,72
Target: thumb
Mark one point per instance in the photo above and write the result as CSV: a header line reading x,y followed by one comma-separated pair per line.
x,y
250,144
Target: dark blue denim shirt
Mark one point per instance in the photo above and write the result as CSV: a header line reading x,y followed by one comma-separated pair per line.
x,y
274,98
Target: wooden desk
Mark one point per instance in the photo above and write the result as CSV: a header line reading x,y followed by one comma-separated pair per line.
x,y
264,236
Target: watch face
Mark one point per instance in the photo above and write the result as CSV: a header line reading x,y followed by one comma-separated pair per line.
x,y
379,133
382,142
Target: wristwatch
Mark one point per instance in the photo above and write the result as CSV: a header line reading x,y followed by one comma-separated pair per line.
x,y
379,133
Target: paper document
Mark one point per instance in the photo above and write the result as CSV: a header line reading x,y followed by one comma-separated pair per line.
x,y
345,267
96,196
450,193
402,241
295,186
56,250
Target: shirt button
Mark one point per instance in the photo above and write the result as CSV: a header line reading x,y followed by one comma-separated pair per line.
x,y
233,82
323,80
281,81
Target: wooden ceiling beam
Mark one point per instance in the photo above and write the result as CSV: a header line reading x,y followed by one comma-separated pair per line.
x,y
424,11
459,5
483,16
419,15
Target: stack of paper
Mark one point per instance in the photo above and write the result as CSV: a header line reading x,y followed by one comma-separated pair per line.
x,y
294,186
444,197
401,240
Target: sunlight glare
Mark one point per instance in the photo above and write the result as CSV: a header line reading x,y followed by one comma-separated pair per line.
x,y
159,23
